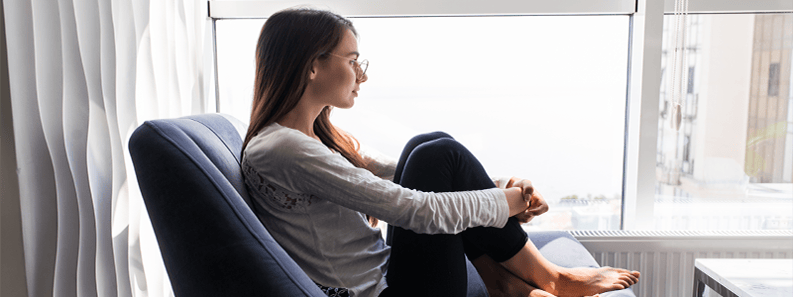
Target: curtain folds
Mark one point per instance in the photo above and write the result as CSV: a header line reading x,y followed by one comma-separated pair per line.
x,y
83,75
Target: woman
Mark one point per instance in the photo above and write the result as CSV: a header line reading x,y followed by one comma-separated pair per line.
x,y
312,186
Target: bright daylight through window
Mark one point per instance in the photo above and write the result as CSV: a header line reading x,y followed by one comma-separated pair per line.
x,y
544,98
541,98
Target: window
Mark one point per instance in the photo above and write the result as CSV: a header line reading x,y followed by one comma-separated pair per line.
x,y
728,164
773,79
529,101
654,170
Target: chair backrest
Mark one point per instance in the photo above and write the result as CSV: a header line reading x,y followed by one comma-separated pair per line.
x,y
188,170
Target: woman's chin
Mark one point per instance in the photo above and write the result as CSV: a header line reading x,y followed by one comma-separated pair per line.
x,y
346,105
349,104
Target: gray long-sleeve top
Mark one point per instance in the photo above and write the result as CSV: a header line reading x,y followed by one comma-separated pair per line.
x,y
314,201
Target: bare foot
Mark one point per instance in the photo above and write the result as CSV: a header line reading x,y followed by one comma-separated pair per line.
x,y
590,281
502,283
530,266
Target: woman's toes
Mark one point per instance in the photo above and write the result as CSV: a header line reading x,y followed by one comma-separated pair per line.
x,y
633,280
624,283
633,277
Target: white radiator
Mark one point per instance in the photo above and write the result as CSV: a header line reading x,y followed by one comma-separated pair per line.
x,y
666,258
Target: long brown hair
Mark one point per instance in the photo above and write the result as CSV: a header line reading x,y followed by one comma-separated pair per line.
x,y
289,42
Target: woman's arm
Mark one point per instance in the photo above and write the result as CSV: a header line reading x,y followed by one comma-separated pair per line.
x,y
384,167
537,204
516,200
303,165
378,163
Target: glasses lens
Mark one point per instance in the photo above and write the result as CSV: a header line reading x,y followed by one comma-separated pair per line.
x,y
363,66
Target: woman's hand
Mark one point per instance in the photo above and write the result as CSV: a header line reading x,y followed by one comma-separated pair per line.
x,y
515,200
537,204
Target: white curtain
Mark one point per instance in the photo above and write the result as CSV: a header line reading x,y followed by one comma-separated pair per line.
x,y
83,75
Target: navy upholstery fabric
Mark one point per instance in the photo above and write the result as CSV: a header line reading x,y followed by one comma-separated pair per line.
x,y
564,250
188,170
476,286
212,244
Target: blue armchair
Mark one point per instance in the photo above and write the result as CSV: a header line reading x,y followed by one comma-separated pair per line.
x,y
188,170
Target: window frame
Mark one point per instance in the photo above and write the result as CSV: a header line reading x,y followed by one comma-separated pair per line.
x,y
644,60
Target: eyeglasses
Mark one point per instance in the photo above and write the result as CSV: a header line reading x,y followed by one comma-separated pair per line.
x,y
360,67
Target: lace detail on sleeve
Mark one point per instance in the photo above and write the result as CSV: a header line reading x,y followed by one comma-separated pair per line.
x,y
272,194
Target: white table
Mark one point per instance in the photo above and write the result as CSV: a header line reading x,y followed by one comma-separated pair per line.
x,y
744,277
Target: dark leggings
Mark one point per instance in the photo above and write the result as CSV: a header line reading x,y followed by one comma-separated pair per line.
x,y
434,265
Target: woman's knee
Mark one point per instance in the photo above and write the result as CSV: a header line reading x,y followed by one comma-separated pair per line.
x,y
431,166
440,147
450,163
425,137
439,155
411,145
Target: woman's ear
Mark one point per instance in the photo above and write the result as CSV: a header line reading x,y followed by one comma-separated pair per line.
x,y
314,68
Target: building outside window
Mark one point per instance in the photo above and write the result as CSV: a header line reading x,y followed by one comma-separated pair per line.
x,y
728,166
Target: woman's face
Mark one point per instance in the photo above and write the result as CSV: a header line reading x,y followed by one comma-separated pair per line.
x,y
334,81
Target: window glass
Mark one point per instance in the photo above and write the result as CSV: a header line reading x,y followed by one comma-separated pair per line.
x,y
729,165
541,98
